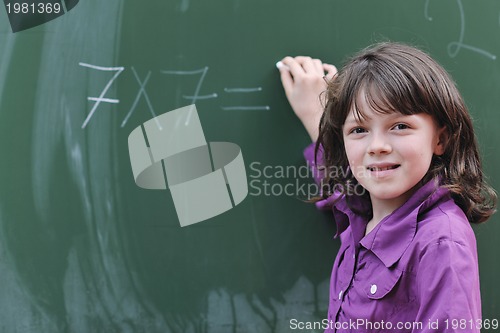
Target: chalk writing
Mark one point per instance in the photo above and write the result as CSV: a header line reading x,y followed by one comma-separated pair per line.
x,y
142,92
241,108
244,91
196,96
454,47
101,98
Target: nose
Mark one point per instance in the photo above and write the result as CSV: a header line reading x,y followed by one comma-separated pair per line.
x,y
379,144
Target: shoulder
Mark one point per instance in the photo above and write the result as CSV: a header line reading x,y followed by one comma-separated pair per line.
x,y
443,233
445,222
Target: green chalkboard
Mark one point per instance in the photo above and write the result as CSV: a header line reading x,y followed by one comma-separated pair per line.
x,y
84,249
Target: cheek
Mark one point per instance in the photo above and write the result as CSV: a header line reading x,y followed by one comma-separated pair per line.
x,y
353,153
419,158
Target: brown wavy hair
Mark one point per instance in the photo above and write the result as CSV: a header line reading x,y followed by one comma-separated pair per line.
x,y
400,78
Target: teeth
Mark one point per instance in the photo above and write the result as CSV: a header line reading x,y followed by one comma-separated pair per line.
x,y
384,169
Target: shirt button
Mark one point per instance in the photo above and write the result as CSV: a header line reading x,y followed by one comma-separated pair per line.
x,y
373,289
340,294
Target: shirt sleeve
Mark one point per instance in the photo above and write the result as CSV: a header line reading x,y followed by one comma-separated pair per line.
x,y
311,163
309,153
448,289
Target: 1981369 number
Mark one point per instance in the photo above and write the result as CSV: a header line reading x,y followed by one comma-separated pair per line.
x,y
463,324
32,8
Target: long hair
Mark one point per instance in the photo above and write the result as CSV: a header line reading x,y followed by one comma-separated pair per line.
x,y
399,78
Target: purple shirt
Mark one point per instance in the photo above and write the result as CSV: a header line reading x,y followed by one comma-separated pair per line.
x,y
416,271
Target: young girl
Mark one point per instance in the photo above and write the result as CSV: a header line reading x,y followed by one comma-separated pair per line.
x,y
395,126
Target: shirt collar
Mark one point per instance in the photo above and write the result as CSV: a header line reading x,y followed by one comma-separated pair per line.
x,y
390,238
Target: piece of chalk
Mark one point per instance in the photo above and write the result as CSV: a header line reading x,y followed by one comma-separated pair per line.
x,y
280,65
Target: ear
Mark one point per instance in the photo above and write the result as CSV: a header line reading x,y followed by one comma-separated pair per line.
x,y
442,136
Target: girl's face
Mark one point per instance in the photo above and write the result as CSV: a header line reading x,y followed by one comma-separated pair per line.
x,y
390,153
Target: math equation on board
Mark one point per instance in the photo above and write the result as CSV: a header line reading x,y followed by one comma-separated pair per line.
x,y
142,92
453,49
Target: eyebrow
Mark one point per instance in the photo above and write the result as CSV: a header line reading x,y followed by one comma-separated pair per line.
x,y
355,120
351,121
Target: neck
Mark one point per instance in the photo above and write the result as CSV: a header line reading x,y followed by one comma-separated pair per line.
x,y
384,207
381,208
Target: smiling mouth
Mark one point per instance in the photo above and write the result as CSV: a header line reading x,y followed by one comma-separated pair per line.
x,y
384,168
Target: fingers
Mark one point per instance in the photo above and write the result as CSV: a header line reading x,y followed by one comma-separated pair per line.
x,y
302,65
309,65
286,79
294,67
330,70
318,66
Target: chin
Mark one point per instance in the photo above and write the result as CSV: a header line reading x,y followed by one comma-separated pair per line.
x,y
387,195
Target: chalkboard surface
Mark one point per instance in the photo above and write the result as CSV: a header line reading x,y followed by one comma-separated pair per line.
x,y
84,249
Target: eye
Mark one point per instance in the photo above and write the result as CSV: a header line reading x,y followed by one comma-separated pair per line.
x,y
357,130
401,127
